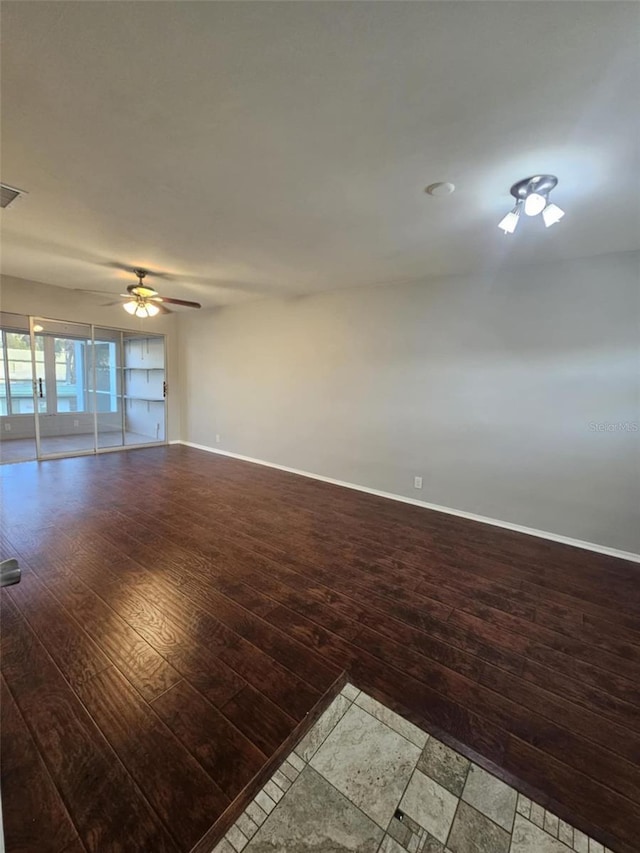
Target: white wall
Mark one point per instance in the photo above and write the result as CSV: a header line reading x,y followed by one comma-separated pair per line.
x,y
488,387
19,296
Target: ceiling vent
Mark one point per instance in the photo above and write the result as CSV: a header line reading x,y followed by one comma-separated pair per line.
x,y
9,194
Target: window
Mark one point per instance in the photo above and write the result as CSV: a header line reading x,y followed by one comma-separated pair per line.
x,y
70,373
16,387
68,362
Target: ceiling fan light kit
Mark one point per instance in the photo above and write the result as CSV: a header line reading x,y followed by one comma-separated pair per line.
x,y
532,197
137,309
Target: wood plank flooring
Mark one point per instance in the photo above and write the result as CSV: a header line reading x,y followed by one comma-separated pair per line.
x,y
180,614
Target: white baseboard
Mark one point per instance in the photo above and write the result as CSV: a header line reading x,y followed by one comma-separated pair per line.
x,y
507,525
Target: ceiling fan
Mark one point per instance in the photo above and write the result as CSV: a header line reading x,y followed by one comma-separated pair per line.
x,y
143,301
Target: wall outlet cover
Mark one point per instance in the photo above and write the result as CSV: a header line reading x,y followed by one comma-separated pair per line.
x,y
417,482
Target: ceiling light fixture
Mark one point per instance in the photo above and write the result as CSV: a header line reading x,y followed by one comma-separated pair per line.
x,y
532,194
141,308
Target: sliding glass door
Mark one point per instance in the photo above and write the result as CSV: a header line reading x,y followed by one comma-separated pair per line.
x,y
17,412
68,389
65,416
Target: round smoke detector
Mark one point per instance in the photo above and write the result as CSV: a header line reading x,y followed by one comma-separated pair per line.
x,y
441,188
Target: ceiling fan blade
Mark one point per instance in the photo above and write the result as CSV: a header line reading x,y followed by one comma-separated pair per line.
x,y
184,302
110,304
131,268
103,292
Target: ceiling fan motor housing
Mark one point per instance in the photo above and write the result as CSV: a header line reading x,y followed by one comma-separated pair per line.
x,y
142,290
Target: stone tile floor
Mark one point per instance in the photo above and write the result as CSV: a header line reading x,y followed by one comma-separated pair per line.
x,y
365,779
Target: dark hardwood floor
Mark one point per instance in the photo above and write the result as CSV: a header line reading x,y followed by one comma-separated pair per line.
x,y
181,613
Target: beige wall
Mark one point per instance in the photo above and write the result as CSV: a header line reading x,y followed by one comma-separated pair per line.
x,y
20,296
490,387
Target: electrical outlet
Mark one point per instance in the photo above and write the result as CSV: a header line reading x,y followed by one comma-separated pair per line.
x,y
217,438
7,427
417,482
76,423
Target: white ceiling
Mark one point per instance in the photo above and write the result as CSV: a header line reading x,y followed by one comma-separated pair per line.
x,y
251,149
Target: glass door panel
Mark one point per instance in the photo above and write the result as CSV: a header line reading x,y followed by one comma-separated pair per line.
x,y
107,385
20,372
64,375
145,388
17,419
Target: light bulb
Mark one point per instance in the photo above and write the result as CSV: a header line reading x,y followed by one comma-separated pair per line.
x,y
152,309
141,311
130,307
552,214
534,204
510,221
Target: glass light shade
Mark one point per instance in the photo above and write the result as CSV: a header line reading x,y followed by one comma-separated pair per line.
x,y
534,204
510,221
552,214
141,309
